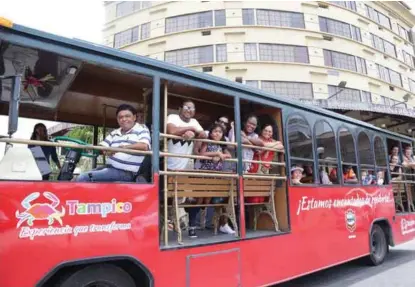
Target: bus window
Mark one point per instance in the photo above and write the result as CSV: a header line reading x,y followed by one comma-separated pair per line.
x,y
301,150
348,157
380,161
326,152
366,160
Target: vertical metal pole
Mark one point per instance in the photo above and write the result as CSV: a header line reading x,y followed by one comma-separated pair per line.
x,y
104,132
95,143
238,128
166,231
14,105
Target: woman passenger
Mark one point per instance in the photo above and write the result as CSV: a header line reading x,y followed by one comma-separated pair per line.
x,y
218,153
40,133
265,155
349,175
395,169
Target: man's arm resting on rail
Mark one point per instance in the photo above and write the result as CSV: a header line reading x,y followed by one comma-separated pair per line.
x,y
179,131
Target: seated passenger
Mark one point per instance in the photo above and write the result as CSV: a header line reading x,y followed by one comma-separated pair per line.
x,y
40,133
333,175
265,155
218,153
308,175
368,178
395,169
380,177
349,175
186,126
131,135
296,174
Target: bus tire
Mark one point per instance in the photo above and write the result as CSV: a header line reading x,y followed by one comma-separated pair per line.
x,y
378,245
104,275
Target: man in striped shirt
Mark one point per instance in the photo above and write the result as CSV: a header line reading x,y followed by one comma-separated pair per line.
x,y
131,135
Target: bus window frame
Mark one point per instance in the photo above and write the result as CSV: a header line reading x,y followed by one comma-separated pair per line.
x,y
369,136
322,120
289,158
387,176
351,130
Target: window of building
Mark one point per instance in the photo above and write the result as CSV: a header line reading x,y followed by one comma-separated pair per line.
x,y
279,18
383,45
248,17
146,4
283,53
356,34
344,94
220,18
127,7
348,157
145,31
408,58
293,90
389,75
404,33
221,53
335,27
380,160
189,21
361,65
411,85
301,147
190,56
366,97
252,83
378,17
250,52
346,4
126,37
326,152
340,60
366,159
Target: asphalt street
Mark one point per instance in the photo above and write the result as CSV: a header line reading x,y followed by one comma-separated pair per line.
x,y
397,271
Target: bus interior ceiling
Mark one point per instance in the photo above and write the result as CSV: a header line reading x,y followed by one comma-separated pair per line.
x,y
62,89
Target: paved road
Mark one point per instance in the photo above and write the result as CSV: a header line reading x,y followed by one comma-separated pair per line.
x,y
397,271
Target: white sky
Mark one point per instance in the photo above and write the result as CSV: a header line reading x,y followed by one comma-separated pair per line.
x,y
72,19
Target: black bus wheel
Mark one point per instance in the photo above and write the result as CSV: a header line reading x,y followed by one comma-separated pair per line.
x,y
104,275
378,246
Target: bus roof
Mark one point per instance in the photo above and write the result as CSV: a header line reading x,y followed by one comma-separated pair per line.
x,y
28,37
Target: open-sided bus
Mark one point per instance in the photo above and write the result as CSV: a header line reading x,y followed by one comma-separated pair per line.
x,y
67,233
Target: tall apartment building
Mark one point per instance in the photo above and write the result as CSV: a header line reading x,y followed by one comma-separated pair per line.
x,y
341,55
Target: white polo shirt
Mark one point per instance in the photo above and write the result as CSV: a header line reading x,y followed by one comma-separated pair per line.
x,y
129,162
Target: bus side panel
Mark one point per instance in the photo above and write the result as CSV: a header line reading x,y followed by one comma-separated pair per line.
x,y
44,224
403,228
329,225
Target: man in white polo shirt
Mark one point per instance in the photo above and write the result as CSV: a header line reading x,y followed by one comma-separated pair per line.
x,y
186,126
131,135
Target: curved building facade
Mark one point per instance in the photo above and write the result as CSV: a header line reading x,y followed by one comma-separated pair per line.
x,y
355,57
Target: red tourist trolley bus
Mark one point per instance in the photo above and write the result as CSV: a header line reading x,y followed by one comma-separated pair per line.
x,y
328,197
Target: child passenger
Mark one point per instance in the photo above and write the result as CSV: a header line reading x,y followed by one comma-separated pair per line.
x,y
218,153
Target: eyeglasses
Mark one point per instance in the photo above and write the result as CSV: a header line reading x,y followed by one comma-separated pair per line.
x,y
187,108
223,122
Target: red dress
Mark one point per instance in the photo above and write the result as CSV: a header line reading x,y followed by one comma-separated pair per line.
x,y
262,168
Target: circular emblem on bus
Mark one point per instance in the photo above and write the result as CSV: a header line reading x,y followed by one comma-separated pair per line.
x,y
350,217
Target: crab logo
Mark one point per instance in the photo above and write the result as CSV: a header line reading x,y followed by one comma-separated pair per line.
x,y
350,217
40,211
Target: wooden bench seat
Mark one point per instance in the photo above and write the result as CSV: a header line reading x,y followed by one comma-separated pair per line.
x,y
258,187
200,188
402,193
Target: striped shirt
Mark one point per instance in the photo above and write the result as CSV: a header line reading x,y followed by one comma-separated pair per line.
x,y
129,162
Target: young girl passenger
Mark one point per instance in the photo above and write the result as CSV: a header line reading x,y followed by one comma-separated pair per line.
x,y
218,153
